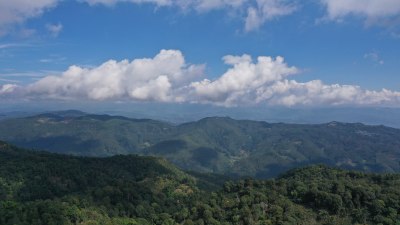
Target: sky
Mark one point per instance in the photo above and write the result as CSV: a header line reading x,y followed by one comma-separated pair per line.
x,y
229,53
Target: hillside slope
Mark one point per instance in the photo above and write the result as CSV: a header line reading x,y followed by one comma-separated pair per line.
x,y
46,188
90,135
214,144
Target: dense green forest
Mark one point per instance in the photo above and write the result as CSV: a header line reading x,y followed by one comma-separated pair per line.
x,y
47,188
216,144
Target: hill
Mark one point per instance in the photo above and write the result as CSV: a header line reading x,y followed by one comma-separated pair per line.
x,y
90,135
45,188
213,144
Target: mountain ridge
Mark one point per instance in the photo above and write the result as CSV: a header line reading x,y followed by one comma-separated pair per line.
x,y
213,144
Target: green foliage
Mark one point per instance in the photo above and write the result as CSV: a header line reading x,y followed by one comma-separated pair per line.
x,y
45,188
215,144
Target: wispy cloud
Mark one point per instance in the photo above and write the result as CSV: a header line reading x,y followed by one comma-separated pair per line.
x,y
374,57
3,46
53,59
256,12
21,75
267,10
16,45
54,29
11,45
9,80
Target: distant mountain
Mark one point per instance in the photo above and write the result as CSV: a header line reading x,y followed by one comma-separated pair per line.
x,y
63,114
181,113
91,135
213,144
242,147
40,188
15,114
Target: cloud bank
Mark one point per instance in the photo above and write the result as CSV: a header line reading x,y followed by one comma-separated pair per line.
x,y
147,79
168,78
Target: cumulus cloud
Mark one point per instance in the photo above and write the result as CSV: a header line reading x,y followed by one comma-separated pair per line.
x,y
168,78
373,10
156,79
290,93
17,11
241,82
267,10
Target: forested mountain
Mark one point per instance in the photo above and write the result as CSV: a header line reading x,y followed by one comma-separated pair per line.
x,y
214,144
46,188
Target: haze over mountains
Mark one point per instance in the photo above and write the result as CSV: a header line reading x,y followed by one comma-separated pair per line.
x,y
214,144
182,113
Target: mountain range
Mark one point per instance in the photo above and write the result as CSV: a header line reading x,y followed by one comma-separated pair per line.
x,y
213,144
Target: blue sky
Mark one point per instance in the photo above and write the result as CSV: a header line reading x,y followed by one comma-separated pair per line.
x,y
335,52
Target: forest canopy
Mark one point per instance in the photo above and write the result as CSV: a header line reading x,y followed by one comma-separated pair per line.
x,y
46,188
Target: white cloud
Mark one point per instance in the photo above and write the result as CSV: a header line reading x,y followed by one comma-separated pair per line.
x,y
255,12
4,46
168,78
7,89
147,79
199,5
267,10
54,29
206,5
373,10
113,2
241,82
374,57
258,12
290,93
266,82
17,11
